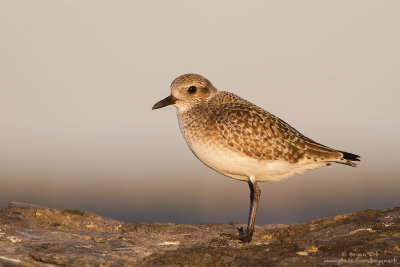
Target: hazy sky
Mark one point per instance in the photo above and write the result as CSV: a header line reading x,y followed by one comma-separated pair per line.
x,y
78,80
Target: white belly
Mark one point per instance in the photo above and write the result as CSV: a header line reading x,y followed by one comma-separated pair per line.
x,y
242,167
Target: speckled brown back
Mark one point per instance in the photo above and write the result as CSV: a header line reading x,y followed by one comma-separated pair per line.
x,y
254,132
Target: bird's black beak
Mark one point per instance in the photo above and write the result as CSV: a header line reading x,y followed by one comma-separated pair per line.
x,y
169,100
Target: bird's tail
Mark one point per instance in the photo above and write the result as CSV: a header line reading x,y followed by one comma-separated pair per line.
x,y
349,159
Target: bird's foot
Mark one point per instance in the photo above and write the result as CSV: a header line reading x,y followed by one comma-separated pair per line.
x,y
244,237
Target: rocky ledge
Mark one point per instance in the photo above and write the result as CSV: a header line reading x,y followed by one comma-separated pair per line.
x,y
37,236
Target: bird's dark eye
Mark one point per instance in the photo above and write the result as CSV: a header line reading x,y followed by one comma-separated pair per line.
x,y
192,89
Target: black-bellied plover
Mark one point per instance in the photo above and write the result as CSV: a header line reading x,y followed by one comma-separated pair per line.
x,y
243,141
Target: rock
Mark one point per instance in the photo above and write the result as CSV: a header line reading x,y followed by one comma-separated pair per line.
x,y
37,236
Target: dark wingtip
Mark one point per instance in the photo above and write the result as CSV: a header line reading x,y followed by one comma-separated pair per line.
x,y
350,156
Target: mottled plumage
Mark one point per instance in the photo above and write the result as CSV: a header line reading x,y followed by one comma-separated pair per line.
x,y
241,140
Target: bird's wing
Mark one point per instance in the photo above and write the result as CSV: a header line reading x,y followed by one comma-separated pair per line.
x,y
257,133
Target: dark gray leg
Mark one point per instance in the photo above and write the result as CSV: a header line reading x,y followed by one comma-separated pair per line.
x,y
255,194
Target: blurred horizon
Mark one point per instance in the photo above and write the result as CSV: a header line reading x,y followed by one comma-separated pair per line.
x,y
78,81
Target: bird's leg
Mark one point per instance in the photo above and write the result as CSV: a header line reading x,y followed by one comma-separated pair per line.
x,y
255,194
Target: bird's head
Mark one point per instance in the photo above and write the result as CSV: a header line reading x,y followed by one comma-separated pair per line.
x,y
187,91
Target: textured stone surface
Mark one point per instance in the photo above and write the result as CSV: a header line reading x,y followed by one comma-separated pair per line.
x,y
37,236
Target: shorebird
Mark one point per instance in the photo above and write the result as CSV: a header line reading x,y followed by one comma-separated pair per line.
x,y
243,141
